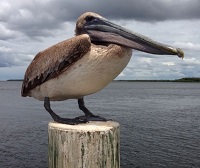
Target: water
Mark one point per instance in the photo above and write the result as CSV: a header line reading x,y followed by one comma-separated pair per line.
x,y
160,124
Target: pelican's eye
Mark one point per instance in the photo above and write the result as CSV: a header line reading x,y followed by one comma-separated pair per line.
x,y
90,18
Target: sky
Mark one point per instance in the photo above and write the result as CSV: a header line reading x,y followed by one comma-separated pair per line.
x,y
28,27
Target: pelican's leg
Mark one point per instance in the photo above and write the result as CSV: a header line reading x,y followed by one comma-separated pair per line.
x,y
88,114
58,119
82,107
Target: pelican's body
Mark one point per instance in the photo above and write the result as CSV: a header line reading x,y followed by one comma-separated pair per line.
x,y
89,74
85,63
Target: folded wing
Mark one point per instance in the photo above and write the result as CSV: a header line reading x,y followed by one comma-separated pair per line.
x,y
53,61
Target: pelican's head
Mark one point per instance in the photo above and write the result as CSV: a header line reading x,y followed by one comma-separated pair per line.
x,y
102,31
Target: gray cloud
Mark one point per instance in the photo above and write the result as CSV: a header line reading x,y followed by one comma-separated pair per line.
x,y
27,27
152,10
37,18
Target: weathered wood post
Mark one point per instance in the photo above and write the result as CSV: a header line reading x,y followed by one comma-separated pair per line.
x,y
90,145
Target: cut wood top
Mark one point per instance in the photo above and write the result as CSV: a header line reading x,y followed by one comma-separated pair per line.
x,y
92,126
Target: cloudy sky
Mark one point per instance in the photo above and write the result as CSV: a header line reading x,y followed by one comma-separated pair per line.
x,y
27,27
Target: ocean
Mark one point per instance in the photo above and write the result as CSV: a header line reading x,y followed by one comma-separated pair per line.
x,y
159,124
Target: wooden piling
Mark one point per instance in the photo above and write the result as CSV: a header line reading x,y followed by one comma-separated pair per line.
x,y
90,145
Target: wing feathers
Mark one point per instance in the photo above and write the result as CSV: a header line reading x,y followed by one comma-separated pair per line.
x,y
54,60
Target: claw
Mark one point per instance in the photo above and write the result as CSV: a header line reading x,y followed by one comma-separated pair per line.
x,y
70,121
91,118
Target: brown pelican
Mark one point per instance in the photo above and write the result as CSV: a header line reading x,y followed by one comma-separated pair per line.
x,y
85,63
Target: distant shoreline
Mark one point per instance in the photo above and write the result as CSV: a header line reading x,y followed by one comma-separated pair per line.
x,y
15,80
175,80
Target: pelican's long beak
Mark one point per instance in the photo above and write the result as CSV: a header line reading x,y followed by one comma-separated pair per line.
x,y
103,31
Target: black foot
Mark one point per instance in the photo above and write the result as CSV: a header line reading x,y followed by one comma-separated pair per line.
x,y
58,119
91,118
88,114
70,121
78,120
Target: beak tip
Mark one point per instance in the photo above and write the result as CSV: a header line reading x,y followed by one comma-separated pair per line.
x,y
180,53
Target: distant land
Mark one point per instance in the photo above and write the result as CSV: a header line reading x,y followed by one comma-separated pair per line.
x,y
15,80
176,80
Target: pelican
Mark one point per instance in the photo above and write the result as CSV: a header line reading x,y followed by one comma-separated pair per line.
x,y
85,64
